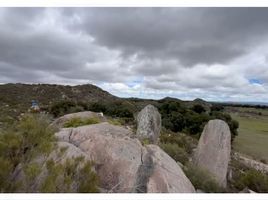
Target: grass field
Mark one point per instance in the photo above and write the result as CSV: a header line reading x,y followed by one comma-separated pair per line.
x,y
252,136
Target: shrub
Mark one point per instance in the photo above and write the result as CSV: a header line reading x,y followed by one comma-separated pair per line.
x,y
97,107
177,118
202,179
60,108
184,141
5,174
114,109
21,143
254,180
198,108
216,107
61,176
175,152
117,122
76,121
88,180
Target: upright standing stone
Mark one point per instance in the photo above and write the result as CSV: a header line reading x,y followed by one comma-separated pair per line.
x,y
213,150
149,124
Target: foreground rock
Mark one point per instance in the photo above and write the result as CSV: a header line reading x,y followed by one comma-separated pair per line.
x,y
213,150
123,164
82,115
166,175
149,124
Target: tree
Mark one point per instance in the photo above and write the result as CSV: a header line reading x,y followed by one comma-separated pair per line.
x,y
198,108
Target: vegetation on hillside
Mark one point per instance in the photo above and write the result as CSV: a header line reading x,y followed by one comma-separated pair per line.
x,y
178,116
192,120
175,116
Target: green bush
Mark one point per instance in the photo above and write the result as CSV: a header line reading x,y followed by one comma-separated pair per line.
x,y
175,152
252,179
114,109
198,108
183,141
117,122
21,143
64,107
62,176
179,118
88,180
76,121
202,179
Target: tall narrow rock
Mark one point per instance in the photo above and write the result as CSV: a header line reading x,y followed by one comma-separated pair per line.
x,y
149,124
213,150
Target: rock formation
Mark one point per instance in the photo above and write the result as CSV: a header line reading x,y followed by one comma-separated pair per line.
x,y
149,124
123,164
120,160
259,166
213,150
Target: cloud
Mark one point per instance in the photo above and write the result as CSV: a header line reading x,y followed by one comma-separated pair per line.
x,y
211,53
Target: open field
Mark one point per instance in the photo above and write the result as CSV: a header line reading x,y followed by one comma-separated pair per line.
x,y
252,136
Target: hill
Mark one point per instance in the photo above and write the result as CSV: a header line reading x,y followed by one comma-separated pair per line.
x,y
177,115
16,98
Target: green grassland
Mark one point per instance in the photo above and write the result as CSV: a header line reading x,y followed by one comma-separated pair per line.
x,y
252,136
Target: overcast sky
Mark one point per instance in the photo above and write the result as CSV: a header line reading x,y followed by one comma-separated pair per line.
x,y
218,54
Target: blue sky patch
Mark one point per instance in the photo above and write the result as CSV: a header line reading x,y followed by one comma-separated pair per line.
x,y
255,81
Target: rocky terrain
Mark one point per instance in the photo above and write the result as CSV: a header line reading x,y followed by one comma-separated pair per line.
x,y
124,164
89,151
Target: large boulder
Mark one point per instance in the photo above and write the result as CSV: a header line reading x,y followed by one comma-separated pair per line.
x,y
123,164
167,176
149,124
59,123
213,150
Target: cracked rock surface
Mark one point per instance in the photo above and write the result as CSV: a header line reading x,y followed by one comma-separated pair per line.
x,y
122,163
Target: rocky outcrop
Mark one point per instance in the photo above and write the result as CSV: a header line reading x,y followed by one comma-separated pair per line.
x,y
82,115
250,163
149,124
123,164
213,150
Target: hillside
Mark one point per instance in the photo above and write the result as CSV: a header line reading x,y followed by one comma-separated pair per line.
x,y
16,98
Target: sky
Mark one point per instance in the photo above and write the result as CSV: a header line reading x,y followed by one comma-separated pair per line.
x,y
218,54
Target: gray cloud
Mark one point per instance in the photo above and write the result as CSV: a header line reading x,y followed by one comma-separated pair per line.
x,y
161,51
192,35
